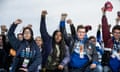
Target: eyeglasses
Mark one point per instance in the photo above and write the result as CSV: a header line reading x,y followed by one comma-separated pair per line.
x,y
38,40
116,32
92,40
26,32
81,32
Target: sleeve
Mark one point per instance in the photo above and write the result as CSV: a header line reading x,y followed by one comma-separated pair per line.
x,y
66,58
99,48
43,30
12,38
105,30
64,32
73,32
94,55
47,40
98,36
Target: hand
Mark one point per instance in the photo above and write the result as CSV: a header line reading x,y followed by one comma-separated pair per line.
x,y
60,67
29,25
44,12
92,66
23,69
69,21
103,10
63,16
18,21
4,28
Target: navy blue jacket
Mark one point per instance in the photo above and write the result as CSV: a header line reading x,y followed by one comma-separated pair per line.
x,y
19,46
47,40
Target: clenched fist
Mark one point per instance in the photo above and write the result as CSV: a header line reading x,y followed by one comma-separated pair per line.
x,y
63,16
18,21
44,12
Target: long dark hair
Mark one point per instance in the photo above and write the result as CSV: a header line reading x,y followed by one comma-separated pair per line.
x,y
61,45
31,31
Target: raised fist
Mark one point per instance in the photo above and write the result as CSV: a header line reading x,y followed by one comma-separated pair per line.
x,y
18,21
69,21
88,28
103,10
63,16
29,25
3,28
44,12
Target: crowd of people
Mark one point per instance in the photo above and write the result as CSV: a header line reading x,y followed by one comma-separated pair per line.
x,y
61,52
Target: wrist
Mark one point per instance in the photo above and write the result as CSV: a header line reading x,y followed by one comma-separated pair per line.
x,y
104,13
63,18
14,23
43,15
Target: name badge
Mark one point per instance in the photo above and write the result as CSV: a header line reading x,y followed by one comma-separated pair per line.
x,y
25,63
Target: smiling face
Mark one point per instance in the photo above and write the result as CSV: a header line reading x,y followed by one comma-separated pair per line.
x,y
58,37
27,34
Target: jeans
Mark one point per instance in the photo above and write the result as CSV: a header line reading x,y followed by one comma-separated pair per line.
x,y
99,68
106,69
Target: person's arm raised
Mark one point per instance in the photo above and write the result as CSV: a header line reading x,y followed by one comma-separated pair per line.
x,y
105,28
43,29
72,28
63,28
11,35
